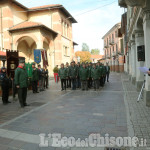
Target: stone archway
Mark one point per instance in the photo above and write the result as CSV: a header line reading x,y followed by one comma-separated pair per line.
x,y
26,46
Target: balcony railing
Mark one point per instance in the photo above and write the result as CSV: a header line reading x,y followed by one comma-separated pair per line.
x,y
114,53
106,45
108,56
112,42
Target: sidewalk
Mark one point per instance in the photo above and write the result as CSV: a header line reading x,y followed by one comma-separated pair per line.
x,y
138,113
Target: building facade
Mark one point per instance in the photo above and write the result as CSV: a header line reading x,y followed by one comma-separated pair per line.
x,y
137,42
46,28
113,49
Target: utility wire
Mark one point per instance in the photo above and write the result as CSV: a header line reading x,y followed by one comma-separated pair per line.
x,y
95,9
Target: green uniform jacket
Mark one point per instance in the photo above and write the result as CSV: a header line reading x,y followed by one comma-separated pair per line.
x,y
35,75
95,73
102,71
90,68
62,73
21,77
84,73
67,69
73,72
78,70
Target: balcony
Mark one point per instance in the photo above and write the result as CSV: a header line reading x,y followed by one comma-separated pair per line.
x,y
108,56
112,42
114,54
137,3
122,3
131,3
106,45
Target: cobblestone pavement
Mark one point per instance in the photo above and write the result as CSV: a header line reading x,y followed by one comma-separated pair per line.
x,y
71,113
139,114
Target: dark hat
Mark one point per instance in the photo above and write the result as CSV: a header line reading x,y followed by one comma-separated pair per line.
x,y
33,63
21,61
3,68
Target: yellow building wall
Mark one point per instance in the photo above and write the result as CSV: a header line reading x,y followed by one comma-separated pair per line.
x,y
43,17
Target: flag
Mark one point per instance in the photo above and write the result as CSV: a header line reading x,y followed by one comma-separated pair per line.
x,y
37,56
44,57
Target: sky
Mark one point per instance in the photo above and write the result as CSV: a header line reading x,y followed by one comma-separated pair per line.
x,y
95,18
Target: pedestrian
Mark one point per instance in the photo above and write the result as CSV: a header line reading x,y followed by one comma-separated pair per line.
x,y
95,73
21,81
73,75
45,77
62,73
84,76
41,78
102,70
90,78
4,82
78,76
68,80
34,78
107,72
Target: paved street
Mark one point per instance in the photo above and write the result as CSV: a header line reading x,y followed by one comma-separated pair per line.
x,y
74,113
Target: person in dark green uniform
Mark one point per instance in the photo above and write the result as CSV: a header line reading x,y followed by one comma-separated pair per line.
x,y
95,73
34,78
78,76
21,81
73,75
68,80
102,74
84,76
62,73
90,78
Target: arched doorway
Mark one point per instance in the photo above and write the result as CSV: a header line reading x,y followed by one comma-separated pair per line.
x,y
26,46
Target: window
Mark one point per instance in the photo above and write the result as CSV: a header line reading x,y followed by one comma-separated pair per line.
x,y
65,28
66,51
112,37
116,34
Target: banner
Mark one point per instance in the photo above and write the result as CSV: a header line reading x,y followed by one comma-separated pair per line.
x,y
28,67
44,57
37,56
12,62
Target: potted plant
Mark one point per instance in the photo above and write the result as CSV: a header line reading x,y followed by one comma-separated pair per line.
x,y
55,70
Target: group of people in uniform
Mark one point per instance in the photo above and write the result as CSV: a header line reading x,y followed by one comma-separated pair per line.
x,y
39,82
84,76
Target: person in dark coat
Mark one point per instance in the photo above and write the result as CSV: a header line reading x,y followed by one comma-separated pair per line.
x,y
73,75
107,72
4,82
62,73
45,77
84,76
21,81
68,80
78,85
34,78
